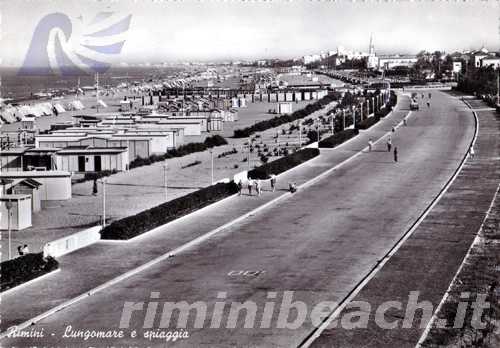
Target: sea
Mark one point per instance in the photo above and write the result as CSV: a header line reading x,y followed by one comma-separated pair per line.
x,y
21,88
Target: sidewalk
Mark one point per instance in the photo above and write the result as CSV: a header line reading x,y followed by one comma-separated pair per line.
x,y
89,267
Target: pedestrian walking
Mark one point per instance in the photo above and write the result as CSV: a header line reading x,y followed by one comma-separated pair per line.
x,y
423,96
428,104
45,251
258,187
94,187
370,145
249,185
273,182
395,153
389,144
240,187
430,95
405,122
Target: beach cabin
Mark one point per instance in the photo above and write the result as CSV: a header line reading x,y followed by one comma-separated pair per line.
x,y
23,186
55,185
83,159
215,123
285,108
19,207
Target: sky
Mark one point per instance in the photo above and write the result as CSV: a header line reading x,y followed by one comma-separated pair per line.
x,y
217,30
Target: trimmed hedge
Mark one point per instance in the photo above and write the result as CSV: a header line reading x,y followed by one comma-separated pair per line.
x,y
183,150
282,164
338,138
393,98
383,112
279,120
25,268
144,221
367,123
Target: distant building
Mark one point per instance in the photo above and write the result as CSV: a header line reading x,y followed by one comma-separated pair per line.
x,y
457,67
477,59
311,58
392,61
490,61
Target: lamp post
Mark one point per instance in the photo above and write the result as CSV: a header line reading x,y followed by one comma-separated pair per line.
x,y
300,134
165,185
353,117
343,119
361,111
248,159
9,206
212,165
103,202
318,131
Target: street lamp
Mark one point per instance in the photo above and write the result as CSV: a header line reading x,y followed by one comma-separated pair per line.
x,y
165,167
103,180
248,158
212,165
9,206
300,134
318,131
353,116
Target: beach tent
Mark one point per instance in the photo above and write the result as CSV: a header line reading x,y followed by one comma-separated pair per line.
x,y
77,105
101,103
45,108
24,110
60,109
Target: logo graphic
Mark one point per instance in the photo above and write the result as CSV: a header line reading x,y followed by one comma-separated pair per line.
x,y
61,47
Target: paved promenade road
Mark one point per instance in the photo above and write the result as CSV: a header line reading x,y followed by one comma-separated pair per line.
x,y
316,244
428,260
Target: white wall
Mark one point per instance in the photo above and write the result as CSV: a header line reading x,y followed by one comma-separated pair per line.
x,y
73,242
